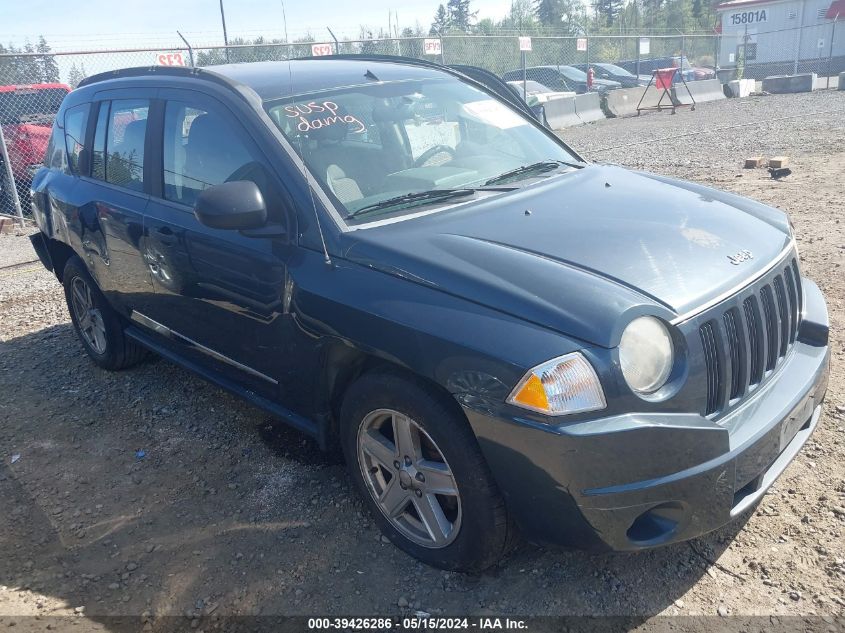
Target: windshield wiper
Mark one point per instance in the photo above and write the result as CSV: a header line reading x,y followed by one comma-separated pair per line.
x,y
411,199
534,168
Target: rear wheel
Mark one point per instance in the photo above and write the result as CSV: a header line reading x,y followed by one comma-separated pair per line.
x,y
420,470
97,325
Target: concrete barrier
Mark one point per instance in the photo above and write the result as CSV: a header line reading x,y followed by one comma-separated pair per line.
x,y
741,87
588,107
702,91
786,84
624,102
560,113
842,81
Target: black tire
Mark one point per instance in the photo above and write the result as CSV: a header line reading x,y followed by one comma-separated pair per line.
x,y
118,351
485,531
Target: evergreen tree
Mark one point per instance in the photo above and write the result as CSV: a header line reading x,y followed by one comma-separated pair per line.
x,y
607,11
460,17
441,21
45,64
548,12
75,75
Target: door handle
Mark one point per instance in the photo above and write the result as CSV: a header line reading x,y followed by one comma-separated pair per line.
x,y
166,235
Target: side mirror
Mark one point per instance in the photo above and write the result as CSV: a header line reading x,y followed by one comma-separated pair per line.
x,y
236,206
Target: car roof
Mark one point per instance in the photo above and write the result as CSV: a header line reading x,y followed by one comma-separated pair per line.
x,y
279,79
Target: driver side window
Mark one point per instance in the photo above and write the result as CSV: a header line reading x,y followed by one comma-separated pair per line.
x,y
201,149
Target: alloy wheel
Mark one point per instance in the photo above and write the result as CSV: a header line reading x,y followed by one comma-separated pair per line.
x,y
88,318
409,478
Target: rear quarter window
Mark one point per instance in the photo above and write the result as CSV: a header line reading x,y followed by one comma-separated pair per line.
x,y
76,122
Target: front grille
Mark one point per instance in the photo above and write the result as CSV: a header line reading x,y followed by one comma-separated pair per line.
x,y
743,341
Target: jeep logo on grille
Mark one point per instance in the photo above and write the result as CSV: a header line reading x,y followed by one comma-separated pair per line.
x,y
741,256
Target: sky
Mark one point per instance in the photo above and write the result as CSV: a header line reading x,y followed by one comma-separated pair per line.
x,y
96,24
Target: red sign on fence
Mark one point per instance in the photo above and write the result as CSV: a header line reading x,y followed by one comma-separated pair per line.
x,y
320,50
170,59
432,46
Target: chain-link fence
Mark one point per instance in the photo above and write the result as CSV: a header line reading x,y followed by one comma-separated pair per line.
x,y
756,52
32,85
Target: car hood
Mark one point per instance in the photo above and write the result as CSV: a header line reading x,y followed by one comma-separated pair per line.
x,y
585,251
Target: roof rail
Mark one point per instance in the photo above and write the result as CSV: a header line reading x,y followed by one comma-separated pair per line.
x,y
172,71
398,59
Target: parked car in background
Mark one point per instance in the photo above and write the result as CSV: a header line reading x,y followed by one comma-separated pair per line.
x,y
26,114
561,78
499,336
535,92
648,66
615,73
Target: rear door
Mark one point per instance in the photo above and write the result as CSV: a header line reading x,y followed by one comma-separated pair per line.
x,y
118,192
218,292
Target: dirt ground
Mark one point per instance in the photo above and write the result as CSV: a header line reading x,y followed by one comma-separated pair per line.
x,y
152,492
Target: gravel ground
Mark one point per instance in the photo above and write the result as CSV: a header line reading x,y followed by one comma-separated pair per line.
x,y
228,513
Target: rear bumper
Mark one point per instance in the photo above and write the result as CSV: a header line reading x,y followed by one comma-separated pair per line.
x,y
39,245
640,480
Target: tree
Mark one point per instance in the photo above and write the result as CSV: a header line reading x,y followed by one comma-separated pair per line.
x,y
460,17
48,69
441,21
75,75
520,17
608,10
548,12
565,15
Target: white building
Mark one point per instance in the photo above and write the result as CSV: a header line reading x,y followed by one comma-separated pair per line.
x,y
782,36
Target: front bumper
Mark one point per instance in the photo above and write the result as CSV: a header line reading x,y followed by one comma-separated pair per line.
x,y
635,481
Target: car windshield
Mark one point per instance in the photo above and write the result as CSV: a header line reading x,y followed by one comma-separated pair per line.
x,y
386,149
573,73
616,70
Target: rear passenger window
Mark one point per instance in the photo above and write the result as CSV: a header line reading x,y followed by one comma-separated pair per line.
x,y
55,156
118,155
76,120
201,149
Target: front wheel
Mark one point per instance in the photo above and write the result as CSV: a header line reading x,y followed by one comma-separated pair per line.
x,y
421,472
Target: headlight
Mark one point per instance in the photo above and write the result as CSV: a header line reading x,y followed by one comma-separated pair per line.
x,y
563,385
646,354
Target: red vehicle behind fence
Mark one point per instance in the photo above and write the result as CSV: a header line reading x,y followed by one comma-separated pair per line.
x,y
26,114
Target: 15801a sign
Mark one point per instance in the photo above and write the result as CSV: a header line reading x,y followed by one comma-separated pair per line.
x,y
748,17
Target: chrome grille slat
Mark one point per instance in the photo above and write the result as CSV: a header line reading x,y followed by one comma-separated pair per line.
x,y
744,338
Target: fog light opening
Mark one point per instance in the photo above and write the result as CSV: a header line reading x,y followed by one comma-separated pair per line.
x,y
657,524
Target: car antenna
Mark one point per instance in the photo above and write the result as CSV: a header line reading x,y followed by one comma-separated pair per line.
x,y
326,256
369,75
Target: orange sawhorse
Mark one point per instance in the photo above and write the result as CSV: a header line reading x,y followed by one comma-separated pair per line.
x,y
662,80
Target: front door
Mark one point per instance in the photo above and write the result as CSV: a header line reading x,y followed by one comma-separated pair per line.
x,y
219,292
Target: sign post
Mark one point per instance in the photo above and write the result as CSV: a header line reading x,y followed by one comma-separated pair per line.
x,y
524,47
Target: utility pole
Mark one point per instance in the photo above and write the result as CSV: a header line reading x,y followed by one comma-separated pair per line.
x,y
225,35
